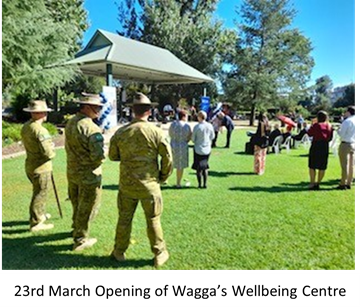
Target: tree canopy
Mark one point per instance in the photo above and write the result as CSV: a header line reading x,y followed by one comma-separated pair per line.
x,y
184,27
36,35
270,60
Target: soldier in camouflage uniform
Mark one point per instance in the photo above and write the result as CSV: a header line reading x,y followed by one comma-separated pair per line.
x,y
38,166
138,146
84,145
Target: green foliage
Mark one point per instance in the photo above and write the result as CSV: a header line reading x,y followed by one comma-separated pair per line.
x,y
271,60
337,111
51,128
187,29
12,132
82,83
303,111
241,222
323,87
348,99
36,35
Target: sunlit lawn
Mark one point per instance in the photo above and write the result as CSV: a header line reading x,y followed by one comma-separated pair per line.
x,y
242,221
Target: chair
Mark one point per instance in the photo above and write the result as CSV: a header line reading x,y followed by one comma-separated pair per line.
x,y
334,144
287,144
305,142
277,143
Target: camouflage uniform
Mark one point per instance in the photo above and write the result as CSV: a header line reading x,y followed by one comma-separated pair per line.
x,y
137,145
84,147
38,166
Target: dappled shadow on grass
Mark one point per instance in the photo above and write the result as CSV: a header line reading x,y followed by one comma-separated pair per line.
x,y
11,224
14,223
43,252
243,153
113,187
286,187
226,174
173,187
302,156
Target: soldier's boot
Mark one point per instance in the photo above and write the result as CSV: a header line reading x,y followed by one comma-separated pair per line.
x,y
45,217
118,256
41,226
84,244
160,259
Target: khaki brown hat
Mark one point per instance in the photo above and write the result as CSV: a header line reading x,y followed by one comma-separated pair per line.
x,y
37,106
141,99
91,99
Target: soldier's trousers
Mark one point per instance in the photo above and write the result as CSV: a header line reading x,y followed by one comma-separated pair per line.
x,y
152,207
41,184
85,200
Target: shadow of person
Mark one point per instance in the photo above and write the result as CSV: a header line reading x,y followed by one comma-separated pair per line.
x,y
53,252
114,187
227,174
15,223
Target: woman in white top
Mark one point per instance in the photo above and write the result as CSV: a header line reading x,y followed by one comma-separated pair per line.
x,y
202,137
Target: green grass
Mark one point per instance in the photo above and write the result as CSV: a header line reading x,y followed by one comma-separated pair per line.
x,y
242,221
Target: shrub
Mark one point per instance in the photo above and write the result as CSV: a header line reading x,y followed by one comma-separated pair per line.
x,y
12,132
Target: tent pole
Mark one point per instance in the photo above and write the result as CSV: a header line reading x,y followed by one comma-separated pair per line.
x,y
109,76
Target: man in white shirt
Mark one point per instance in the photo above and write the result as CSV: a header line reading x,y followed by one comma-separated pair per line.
x,y
347,148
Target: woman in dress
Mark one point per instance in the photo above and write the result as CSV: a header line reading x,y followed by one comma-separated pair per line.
x,y
202,137
180,134
321,133
261,142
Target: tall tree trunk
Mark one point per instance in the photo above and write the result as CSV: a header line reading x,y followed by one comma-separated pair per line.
x,y
253,108
252,115
55,99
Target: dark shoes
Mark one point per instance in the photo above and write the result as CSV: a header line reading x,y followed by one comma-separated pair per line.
x,y
343,187
314,187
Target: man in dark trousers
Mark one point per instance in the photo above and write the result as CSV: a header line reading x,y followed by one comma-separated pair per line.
x,y
228,123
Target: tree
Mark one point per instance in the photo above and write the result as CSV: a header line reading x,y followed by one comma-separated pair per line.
x,y
270,60
36,35
186,28
323,87
348,99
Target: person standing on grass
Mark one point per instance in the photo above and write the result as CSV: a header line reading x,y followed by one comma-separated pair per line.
x,y
180,134
38,166
261,142
229,125
322,133
84,145
202,137
137,146
347,148
216,122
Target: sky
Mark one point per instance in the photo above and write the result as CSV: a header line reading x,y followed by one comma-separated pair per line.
x,y
329,24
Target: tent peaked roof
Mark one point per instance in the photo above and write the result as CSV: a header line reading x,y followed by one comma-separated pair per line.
x,y
134,60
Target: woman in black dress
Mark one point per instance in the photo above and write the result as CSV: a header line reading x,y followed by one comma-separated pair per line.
x,y
322,133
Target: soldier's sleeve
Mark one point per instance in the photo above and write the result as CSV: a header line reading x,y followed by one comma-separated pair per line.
x,y
96,147
46,144
166,159
114,153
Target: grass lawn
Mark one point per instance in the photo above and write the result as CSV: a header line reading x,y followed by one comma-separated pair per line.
x,y
241,222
